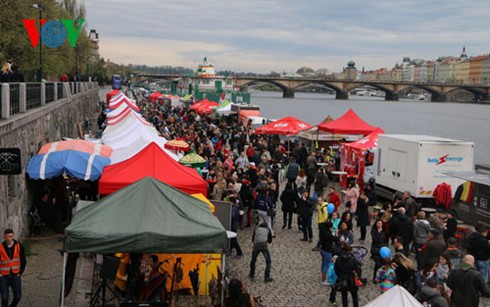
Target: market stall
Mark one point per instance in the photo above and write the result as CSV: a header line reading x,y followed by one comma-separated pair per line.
x,y
349,123
151,161
355,156
76,158
148,217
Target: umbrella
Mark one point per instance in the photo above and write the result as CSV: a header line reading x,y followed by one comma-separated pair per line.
x,y
285,126
77,158
193,160
177,145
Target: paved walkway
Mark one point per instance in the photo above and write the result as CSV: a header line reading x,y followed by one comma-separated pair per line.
x,y
295,269
41,281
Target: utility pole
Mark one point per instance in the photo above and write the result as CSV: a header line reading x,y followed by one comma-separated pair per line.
x,y
39,7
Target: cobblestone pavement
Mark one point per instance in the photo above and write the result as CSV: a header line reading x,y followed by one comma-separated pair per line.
x,y
41,282
295,269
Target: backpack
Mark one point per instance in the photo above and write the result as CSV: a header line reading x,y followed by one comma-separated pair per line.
x,y
411,284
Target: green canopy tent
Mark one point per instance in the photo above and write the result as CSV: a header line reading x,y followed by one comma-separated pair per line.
x,y
146,217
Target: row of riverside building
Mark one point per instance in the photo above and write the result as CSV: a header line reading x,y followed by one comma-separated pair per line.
x,y
450,69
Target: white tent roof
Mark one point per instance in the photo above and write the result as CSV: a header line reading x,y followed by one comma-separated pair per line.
x,y
225,109
127,132
396,296
136,145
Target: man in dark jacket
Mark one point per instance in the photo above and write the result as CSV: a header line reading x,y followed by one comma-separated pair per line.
x,y
287,200
292,171
455,255
477,245
410,205
430,294
344,266
362,214
467,284
402,226
451,225
303,154
310,167
247,195
434,248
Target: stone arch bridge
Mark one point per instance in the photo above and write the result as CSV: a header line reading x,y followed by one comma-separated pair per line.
x,y
289,85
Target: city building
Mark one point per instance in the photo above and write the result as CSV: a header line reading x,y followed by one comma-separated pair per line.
x,y
475,69
351,71
408,73
485,72
431,71
462,69
94,38
446,71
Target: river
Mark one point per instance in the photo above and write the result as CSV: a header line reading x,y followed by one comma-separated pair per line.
x,y
460,121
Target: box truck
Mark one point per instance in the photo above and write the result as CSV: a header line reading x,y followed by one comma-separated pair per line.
x,y
416,163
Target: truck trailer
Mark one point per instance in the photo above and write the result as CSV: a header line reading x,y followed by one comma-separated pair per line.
x,y
415,163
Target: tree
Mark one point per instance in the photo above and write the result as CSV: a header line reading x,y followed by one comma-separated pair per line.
x,y
305,71
322,72
15,43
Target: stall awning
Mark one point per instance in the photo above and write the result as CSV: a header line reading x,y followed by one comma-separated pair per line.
x,y
248,113
473,176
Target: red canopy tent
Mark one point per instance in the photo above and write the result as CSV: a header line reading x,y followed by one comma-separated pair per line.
x,y
369,141
153,97
284,126
349,123
197,105
353,159
207,108
154,162
110,95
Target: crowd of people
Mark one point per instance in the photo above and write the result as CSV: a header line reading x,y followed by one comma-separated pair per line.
x,y
263,175
248,169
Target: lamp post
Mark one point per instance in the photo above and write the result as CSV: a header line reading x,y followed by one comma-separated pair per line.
x,y
39,7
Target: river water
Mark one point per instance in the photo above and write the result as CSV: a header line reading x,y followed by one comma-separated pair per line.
x,y
460,121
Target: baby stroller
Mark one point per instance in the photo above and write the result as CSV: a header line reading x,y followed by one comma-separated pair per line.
x,y
359,253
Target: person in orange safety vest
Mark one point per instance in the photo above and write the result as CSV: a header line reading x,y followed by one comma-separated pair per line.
x,y
12,265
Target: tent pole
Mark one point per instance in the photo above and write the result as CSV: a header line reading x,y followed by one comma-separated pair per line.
x,y
65,260
207,283
223,263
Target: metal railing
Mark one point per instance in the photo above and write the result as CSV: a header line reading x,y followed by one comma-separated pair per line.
x,y
14,98
19,97
49,90
33,95
59,85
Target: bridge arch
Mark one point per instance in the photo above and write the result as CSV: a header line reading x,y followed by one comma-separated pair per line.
x,y
478,94
339,92
436,94
287,92
319,83
390,94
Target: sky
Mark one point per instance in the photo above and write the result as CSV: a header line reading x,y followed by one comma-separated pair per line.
x,y
283,35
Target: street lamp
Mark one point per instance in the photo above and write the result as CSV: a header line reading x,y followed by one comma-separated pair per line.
x,y
39,7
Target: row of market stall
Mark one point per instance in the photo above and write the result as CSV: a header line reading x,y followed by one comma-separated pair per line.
x,y
154,204
347,127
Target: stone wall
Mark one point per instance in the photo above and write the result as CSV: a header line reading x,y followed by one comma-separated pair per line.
x,y
29,131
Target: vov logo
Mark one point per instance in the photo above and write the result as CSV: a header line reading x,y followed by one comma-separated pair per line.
x,y
53,33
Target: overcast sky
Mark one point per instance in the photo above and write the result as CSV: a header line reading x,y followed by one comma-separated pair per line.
x,y
283,35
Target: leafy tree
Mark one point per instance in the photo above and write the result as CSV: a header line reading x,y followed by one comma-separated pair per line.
x,y
15,43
